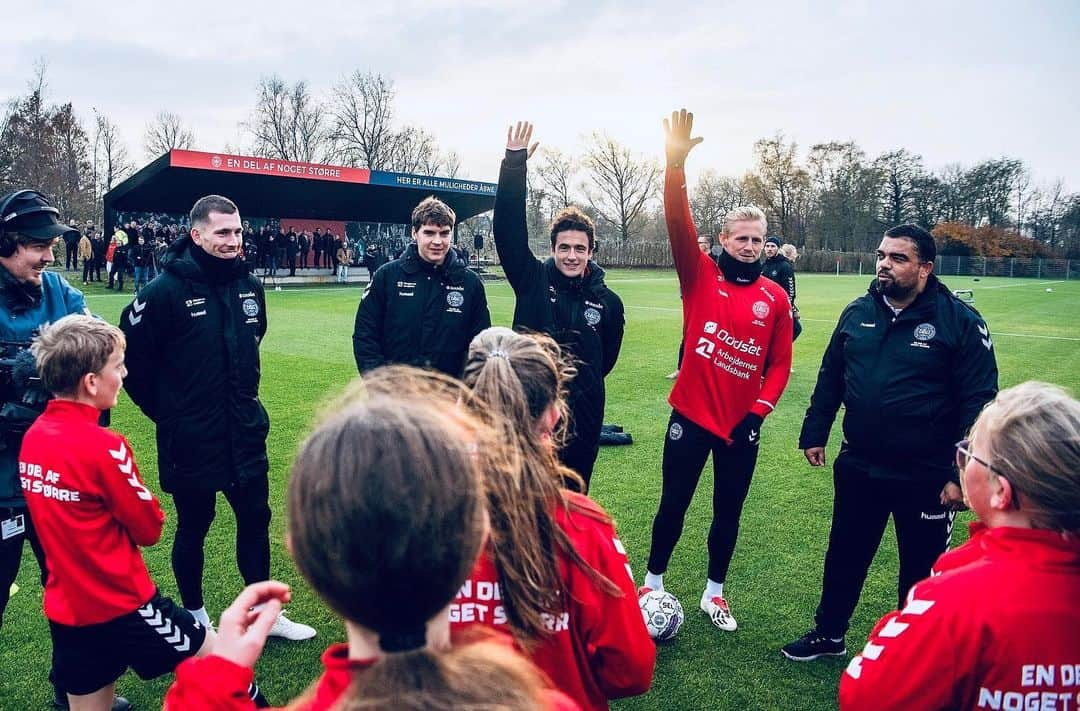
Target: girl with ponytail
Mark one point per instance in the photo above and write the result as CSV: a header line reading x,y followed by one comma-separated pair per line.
x,y
553,573
386,518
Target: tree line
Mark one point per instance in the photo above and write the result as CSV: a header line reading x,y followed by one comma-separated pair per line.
x,y
836,198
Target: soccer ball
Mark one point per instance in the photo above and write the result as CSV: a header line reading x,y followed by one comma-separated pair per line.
x,y
662,613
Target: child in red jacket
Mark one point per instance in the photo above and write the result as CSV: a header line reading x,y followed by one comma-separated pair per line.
x,y
553,574
997,624
386,517
92,512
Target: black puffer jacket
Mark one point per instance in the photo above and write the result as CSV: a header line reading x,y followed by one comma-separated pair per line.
x,y
582,314
193,339
912,385
419,313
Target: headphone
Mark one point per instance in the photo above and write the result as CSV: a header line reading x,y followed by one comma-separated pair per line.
x,y
38,203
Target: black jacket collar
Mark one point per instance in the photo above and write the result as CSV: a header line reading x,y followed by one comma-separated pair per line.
x,y
450,271
592,277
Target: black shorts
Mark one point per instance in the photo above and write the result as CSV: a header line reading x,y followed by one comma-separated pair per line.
x,y
153,640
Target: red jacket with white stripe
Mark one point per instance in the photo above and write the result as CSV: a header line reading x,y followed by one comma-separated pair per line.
x,y
738,336
91,512
997,627
600,648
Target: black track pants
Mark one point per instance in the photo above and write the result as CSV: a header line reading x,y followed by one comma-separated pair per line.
x,y
861,509
583,444
686,448
195,513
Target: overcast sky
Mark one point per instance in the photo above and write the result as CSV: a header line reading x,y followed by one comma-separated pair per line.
x,y
956,82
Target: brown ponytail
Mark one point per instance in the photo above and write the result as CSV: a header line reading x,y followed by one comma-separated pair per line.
x,y
517,378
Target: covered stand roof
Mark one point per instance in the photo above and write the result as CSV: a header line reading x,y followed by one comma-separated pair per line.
x,y
262,187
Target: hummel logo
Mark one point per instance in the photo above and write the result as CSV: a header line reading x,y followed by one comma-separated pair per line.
x,y
136,308
126,465
985,332
164,627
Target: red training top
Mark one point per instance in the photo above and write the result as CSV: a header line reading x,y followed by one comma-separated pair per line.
x,y
91,512
997,627
599,648
738,336
216,683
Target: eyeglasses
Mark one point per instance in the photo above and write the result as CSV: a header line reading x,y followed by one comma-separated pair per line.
x,y
963,455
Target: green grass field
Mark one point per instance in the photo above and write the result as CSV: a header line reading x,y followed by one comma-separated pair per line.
x,y
775,576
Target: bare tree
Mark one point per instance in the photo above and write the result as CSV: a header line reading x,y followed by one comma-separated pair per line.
x,y
775,179
621,184
847,191
413,150
900,171
451,165
110,159
287,124
712,198
363,119
165,132
556,172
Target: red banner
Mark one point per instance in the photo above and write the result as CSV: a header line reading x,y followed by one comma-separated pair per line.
x,y
265,166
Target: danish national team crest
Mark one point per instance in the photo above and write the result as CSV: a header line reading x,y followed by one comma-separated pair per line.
x,y
592,316
761,309
925,332
251,308
455,299
675,431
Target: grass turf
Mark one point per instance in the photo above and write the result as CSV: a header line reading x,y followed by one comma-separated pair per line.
x,y
775,576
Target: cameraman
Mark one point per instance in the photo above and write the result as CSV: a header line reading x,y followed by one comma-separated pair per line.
x,y
30,296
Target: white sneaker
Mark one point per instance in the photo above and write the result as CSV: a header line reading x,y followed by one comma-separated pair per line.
x,y
718,611
672,376
287,629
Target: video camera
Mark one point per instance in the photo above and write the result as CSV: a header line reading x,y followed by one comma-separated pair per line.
x,y
22,393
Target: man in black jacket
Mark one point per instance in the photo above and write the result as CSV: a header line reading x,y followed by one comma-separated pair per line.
x,y
193,338
913,366
779,269
424,308
563,296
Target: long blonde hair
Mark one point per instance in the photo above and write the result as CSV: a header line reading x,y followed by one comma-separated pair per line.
x,y
1032,435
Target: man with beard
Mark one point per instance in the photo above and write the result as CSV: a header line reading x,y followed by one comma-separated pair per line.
x,y
913,366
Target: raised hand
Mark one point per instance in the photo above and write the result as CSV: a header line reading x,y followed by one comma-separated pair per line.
x,y
244,625
518,137
677,140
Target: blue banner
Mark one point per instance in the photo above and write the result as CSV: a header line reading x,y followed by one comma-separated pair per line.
x,y
427,182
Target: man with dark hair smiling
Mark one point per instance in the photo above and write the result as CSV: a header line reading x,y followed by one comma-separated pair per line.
x,y
193,338
563,296
425,307
913,366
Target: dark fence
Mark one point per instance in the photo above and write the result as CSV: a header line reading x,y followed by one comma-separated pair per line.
x,y
651,255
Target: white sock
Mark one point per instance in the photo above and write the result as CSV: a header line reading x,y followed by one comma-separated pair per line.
x,y
654,581
201,616
712,589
